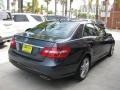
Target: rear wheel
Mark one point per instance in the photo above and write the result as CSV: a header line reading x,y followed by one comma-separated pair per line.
x,y
83,69
1,44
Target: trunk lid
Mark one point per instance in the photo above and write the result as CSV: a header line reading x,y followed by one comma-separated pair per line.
x,y
34,45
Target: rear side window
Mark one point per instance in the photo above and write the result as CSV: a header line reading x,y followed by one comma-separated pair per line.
x,y
20,18
89,30
37,18
78,33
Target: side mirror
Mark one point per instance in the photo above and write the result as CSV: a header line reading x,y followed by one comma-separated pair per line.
x,y
108,34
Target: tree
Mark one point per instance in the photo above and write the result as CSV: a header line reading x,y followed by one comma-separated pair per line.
x,y
84,5
29,7
97,9
71,1
35,8
117,2
13,4
66,3
89,7
47,2
20,5
41,9
1,4
8,4
63,6
75,12
56,2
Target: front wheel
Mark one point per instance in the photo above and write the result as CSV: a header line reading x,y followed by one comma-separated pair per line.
x,y
111,51
83,69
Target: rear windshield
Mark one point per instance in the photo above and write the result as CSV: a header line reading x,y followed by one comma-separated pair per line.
x,y
5,16
59,30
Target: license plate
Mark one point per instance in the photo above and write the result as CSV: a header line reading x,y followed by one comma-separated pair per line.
x,y
27,48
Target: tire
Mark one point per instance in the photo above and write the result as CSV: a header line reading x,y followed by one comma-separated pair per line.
x,y
83,69
111,51
1,44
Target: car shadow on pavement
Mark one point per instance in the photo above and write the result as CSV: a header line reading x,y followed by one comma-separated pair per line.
x,y
99,62
35,80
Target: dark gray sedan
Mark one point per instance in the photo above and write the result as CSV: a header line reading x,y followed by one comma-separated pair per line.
x,y
60,49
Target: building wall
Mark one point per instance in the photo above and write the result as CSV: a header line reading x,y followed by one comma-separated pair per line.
x,y
113,22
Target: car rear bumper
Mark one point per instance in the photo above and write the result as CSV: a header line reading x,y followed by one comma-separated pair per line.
x,y
45,71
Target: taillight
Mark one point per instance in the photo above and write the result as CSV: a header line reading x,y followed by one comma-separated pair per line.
x,y
13,43
55,52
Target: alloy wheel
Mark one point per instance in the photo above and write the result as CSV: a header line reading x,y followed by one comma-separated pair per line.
x,y
84,68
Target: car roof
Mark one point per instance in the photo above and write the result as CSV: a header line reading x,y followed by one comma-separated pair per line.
x,y
55,15
83,21
79,22
26,14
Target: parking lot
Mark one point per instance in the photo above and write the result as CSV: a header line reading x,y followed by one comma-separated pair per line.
x,y
103,76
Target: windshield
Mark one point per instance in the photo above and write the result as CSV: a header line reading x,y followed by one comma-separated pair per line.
x,y
5,16
59,30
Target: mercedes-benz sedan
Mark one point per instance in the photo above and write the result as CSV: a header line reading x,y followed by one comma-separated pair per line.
x,y
60,49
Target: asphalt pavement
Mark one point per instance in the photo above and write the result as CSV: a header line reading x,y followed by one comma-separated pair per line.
x,y
105,75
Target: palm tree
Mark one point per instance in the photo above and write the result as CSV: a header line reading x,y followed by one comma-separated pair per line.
x,y
1,4
97,9
21,6
41,9
89,6
35,6
63,6
66,2
47,2
84,5
14,4
29,7
56,2
8,4
71,1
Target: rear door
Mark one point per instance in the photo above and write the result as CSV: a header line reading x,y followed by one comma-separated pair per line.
x,y
104,40
92,37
